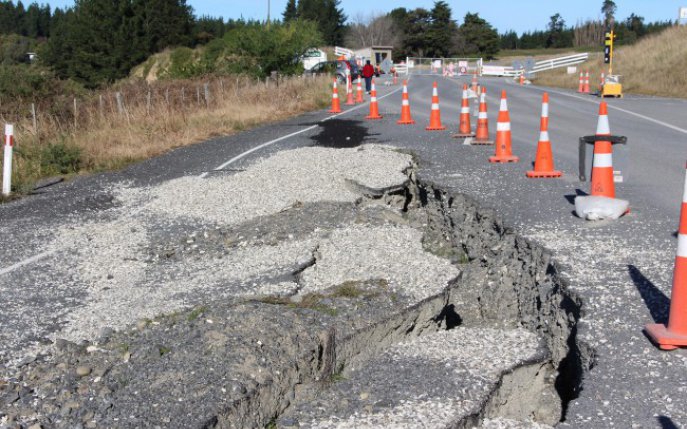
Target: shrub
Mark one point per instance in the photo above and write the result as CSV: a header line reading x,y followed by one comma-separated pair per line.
x,y
60,158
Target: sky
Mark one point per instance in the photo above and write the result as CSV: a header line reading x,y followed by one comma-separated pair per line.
x,y
518,15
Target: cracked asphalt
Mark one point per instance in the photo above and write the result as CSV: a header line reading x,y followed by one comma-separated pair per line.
x,y
621,270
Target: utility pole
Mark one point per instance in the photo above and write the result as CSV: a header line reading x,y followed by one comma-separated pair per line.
x,y
268,13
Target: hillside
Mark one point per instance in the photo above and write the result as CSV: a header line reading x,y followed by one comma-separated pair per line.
x,y
653,66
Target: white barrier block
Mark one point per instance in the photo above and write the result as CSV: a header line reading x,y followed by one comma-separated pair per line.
x,y
600,208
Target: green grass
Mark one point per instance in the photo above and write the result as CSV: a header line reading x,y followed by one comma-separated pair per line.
x,y
196,313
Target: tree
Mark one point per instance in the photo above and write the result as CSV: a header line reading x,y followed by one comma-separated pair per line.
x,y
418,24
101,40
476,36
374,30
290,12
328,15
556,27
509,40
441,30
608,8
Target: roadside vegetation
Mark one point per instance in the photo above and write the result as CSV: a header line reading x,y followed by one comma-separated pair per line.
x,y
149,119
652,66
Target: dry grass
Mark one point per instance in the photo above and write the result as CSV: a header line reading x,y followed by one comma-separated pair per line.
x,y
155,118
653,66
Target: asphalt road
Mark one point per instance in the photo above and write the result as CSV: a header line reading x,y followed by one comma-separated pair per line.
x,y
621,270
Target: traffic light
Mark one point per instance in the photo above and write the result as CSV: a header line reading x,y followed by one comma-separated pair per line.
x,y
608,46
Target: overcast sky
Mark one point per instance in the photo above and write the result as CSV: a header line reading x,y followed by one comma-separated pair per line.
x,y
519,15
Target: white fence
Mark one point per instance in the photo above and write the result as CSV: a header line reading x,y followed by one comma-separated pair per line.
x,y
338,51
444,66
553,63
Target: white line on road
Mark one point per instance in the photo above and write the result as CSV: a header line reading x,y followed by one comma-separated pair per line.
x,y
27,261
277,140
620,109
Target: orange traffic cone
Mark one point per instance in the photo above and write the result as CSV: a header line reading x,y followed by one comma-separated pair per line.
x,y
349,92
406,119
602,165
580,86
359,95
336,103
543,163
435,114
674,335
482,135
474,83
374,107
464,129
586,83
503,135
395,78
522,79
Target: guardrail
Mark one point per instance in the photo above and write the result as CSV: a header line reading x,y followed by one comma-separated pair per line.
x,y
560,62
550,64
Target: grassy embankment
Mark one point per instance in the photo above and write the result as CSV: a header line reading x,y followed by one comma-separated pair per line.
x,y
653,66
153,117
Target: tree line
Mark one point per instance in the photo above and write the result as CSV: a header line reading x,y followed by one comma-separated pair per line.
x,y
426,33
584,34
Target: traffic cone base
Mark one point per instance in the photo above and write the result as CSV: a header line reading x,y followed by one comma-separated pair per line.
x,y
664,339
543,174
407,122
462,136
503,159
482,142
435,128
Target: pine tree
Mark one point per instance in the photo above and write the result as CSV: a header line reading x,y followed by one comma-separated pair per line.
x,y
290,13
477,36
441,30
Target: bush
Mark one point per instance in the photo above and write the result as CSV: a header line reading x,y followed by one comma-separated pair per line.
x,y
60,158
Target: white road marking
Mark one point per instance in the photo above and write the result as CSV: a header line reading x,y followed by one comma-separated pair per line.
x,y
620,109
277,140
27,261
43,255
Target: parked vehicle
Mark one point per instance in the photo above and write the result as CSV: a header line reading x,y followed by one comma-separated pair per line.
x,y
335,68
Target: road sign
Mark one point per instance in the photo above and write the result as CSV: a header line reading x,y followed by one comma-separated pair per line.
x,y
683,13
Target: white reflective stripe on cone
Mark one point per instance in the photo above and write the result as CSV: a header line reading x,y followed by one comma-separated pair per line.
x,y
405,103
545,110
435,106
335,95
504,105
684,193
543,136
373,99
602,127
503,126
435,92
602,160
682,245
482,115
464,110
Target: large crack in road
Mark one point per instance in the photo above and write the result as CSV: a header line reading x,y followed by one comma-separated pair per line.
x,y
317,288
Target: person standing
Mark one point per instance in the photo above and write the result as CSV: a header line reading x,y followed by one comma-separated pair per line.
x,y
368,72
